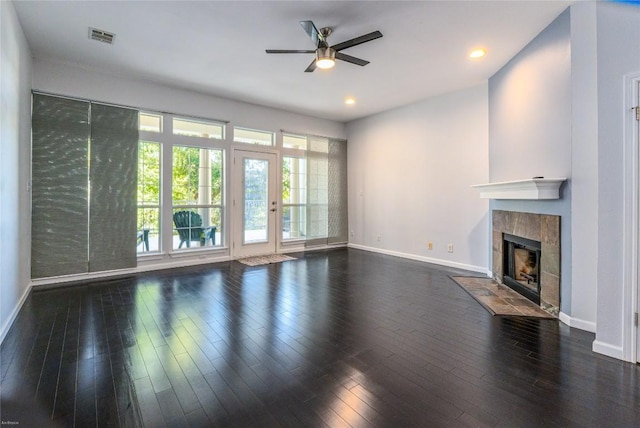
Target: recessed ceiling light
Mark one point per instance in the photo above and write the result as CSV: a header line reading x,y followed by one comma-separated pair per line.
x,y
477,53
350,101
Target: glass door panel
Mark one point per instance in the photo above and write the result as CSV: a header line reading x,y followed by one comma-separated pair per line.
x,y
256,200
255,205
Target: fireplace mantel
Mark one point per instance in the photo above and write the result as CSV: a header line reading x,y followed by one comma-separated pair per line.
x,y
533,188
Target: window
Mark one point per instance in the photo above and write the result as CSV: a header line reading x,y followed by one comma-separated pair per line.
x,y
197,194
182,160
294,142
294,198
148,196
250,136
198,128
314,189
150,122
318,189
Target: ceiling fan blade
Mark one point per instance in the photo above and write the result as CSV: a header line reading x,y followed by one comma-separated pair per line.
x,y
357,41
351,59
311,67
287,51
318,39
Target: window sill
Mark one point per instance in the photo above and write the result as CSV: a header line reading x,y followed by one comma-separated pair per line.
x,y
197,251
292,242
150,256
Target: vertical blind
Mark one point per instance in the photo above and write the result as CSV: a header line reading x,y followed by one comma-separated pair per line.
x,y
338,225
113,179
326,191
59,198
84,173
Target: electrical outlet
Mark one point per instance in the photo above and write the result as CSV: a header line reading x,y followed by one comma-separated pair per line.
x,y
378,238
430,245
450,248
352,232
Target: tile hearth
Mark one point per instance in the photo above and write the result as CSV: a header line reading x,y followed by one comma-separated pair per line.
x,y
499,299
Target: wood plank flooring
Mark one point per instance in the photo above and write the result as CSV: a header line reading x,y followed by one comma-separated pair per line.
x,y
336,338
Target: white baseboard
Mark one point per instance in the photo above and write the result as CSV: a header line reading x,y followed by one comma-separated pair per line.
x,y
608,350
578,323
440,262
174,263
159,262
12,317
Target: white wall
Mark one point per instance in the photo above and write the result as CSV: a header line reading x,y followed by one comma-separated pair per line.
x,y
618,44
530,130
15,141
410,172
73,80
584,165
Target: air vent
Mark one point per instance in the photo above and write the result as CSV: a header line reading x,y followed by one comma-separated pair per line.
x,y
101,35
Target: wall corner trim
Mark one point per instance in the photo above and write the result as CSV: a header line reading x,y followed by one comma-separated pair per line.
x,y
14,314
608,350
578,323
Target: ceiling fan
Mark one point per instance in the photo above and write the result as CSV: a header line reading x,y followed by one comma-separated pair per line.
x,y
326,55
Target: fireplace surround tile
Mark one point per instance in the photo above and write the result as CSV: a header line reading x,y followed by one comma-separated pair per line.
x,y
524,226
497,241
550,259
497,264
538,227
500,220
550,293
550,232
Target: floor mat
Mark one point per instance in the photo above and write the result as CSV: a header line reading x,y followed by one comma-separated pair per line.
x,y
265,260
500,299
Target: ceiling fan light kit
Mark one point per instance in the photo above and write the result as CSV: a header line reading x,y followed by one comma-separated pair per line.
x,y
326,55
325,58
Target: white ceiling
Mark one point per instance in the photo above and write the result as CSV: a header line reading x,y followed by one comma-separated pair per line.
x,y
218,47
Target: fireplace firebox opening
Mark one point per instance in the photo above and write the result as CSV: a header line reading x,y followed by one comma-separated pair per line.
x,y
522,266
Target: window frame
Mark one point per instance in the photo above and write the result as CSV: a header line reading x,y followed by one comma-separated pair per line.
x,y
254,143
299,205
150,114
168,140
211,122
194,207
157,206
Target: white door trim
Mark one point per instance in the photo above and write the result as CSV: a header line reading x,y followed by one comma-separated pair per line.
x,y
631,237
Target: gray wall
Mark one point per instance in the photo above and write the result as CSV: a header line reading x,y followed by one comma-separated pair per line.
x,y
15,137
530,129
584,165
618,44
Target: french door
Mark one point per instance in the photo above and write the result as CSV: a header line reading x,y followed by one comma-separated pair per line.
x,y
255,206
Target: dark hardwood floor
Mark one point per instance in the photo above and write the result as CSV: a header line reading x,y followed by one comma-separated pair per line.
x,y
335,338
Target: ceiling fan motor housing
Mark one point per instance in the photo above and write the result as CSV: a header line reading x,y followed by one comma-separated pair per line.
x,y
326,53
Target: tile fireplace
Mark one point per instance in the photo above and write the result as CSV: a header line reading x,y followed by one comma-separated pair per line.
x,y
526,255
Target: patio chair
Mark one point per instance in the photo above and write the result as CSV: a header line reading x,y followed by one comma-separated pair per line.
x,y
189,227
143,238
